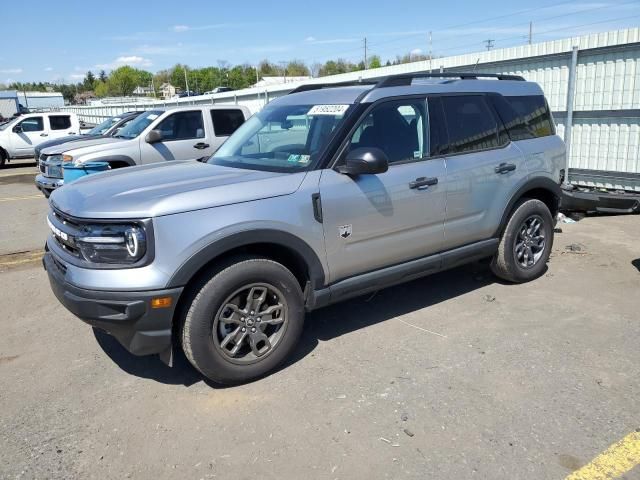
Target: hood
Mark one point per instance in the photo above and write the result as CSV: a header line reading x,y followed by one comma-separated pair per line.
x,y
168,188
85,145
61,140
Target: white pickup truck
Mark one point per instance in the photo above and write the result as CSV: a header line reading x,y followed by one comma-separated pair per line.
x,y
19,136
182,133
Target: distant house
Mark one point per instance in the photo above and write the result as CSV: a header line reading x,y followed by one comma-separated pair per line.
x,y
143,91
269,81
167,90
83,98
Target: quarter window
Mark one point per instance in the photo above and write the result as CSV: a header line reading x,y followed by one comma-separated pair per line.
x,y
471,124
396,128
33,124
526,116
182,126
60,122
225,122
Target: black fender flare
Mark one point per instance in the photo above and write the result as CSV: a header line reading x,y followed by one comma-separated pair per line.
x,y
534,183
225,244
115,158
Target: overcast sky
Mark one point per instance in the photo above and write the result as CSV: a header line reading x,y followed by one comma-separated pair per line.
x,y
56,41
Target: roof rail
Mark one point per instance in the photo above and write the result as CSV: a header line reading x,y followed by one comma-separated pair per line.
x,y
406,78
318,86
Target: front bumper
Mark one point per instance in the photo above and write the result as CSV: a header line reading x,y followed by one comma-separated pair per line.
x,y
127,316
48,184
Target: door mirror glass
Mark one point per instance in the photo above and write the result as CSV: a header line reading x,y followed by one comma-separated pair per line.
x,y
365,161
154,136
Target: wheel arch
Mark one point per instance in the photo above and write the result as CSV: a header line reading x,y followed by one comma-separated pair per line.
x,y
543,189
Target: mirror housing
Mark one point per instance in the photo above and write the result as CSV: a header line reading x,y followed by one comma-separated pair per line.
x,y
154,136
365,161
17,128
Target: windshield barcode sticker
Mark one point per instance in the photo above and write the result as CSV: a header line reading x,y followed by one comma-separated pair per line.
x,y
334,110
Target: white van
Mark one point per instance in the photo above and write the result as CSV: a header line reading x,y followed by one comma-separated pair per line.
x,y
19,136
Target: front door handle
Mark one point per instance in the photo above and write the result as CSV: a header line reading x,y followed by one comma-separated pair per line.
x,y
44,134
505,167
423,182
201,146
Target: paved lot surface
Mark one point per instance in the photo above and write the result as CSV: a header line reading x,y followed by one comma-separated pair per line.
x,y
454,376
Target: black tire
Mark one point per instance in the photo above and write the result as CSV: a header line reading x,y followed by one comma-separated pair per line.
x,y
3,159
507,264
204,329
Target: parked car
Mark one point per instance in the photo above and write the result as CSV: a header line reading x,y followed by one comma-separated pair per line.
x,y
325,194
111,126
189,93
20,136
184,133
219,90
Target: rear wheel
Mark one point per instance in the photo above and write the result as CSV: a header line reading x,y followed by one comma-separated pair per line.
x,y
526,243
3,159
244,321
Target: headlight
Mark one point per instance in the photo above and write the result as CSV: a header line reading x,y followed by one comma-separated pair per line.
x,y
54,158
67,158
113,243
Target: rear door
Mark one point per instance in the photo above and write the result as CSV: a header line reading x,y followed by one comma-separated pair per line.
x,y
184,137
483,169
225,122
33,131
60,126
376,221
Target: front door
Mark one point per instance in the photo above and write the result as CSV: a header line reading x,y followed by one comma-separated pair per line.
x,y
183,138
375,221
32,132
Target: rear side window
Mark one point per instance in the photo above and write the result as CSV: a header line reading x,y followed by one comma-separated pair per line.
x,y
525,117
225,122
471,124
182,126
60,122
33,124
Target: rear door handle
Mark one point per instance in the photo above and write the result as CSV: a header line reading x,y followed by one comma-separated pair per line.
x,y
423,182
505,167
44,134
201,146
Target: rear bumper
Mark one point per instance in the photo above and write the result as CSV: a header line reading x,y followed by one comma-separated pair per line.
x,y
601,202
127,316
48,184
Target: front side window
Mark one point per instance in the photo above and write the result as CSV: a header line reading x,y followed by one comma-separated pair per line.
x,y
471,124
282,138
182,126
60,122
33,124
139,125
225,122
396,128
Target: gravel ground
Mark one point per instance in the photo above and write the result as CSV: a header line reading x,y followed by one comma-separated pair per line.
x,y
454,376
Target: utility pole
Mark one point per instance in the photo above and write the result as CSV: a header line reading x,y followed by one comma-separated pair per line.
x,y
186,82
530,32
430,51
365,53
489,43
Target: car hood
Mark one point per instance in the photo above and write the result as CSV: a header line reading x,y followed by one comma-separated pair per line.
x,y
82,146
168,188
67,139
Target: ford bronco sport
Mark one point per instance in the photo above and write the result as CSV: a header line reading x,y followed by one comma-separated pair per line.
x,y
327,193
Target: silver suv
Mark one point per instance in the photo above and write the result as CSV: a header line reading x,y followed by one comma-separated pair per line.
x,y
328,193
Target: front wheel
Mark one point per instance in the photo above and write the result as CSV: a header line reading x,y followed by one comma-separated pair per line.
x,y
526,243
244,321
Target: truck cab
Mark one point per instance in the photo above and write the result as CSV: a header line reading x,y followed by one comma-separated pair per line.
x,y
21,135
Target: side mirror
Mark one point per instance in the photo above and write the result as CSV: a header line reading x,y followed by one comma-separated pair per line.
x,y
365,161
17,129
154,136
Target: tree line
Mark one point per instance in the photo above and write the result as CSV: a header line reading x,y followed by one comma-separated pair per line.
x,y
123,81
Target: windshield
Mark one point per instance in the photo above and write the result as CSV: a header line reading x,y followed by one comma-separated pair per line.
x,y
137,126
102,128
287,138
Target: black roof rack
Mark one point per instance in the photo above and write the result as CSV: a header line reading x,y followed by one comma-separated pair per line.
x,y
405,79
